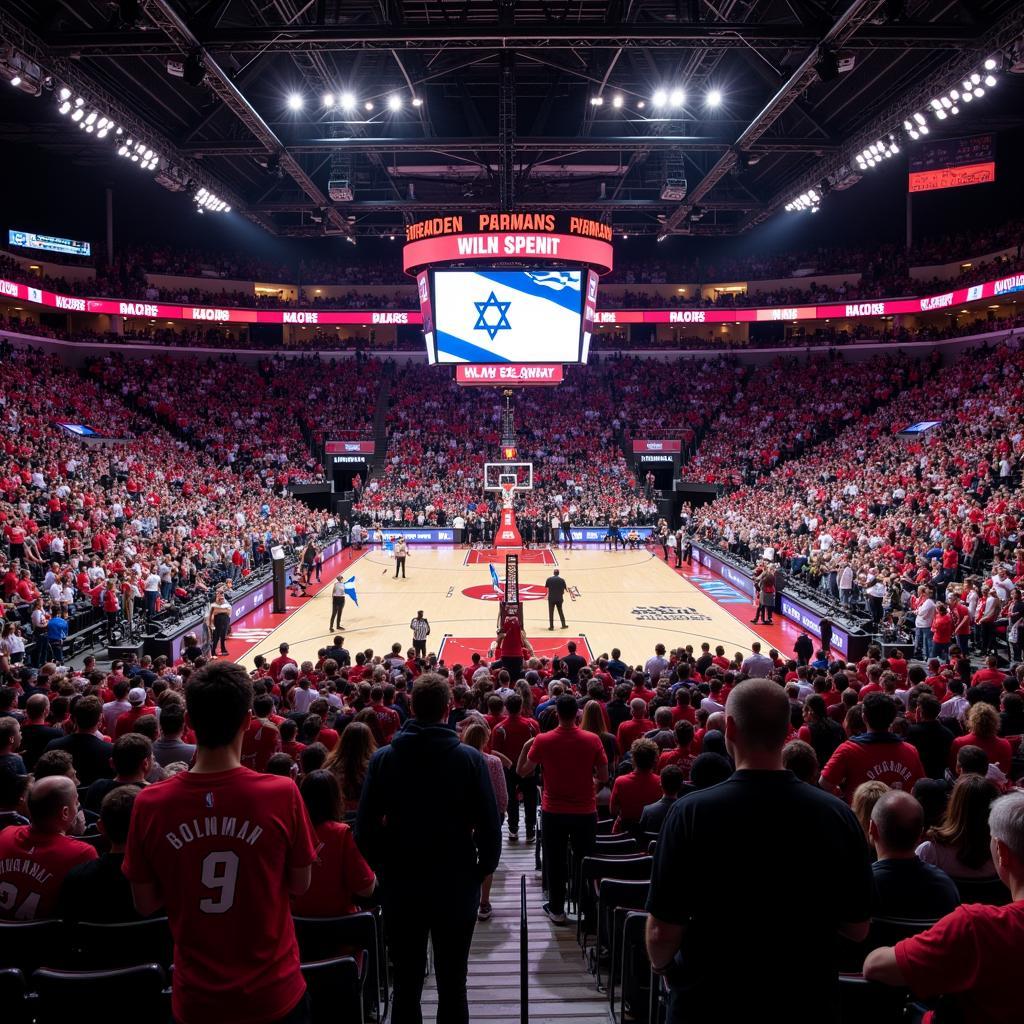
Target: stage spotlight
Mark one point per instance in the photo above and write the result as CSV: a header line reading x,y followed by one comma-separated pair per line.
x,y
394,102
295,101
660,98
348,101
677,97
617,102
714,98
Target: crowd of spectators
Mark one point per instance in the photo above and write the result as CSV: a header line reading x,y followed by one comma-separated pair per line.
x,y
144,510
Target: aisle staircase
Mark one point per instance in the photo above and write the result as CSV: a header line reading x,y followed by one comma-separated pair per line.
x,y
560,989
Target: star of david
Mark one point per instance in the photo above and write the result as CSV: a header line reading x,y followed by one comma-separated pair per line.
x,y
482,323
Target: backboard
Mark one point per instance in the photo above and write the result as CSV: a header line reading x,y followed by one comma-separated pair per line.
x,y
522,472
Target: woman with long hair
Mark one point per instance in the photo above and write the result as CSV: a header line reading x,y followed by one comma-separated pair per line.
x,y
368,717
960,844
349,761
594,721
478,736
339,872
983,722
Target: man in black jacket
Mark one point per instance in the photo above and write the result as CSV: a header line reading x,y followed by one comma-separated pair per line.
x,y
429,793
932,739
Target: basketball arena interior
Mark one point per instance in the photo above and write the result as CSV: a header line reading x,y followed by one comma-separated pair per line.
x,y
635,387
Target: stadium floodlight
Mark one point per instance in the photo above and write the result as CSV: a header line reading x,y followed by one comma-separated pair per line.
x,y
78,114
348,101
64,107
660,98
65,94
617,102
394,102
873,155
16,81
417,101
295,101
597,101
677,97
328,99
990,80
714,98
368,104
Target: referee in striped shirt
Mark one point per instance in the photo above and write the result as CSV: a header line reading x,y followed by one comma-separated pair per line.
x,y
420,631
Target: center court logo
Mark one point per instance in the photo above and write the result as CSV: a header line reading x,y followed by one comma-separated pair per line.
x,y
527,592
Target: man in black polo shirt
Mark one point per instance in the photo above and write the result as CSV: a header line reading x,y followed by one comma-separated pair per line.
x,y
573,663
90,753
556,594
904,885
755,921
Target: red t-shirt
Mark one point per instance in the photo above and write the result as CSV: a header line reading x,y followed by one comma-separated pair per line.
x,y
512,642
33,866
987,675
885,759
388,719
682,758
899,666
568,756
998,750
126,722
277,666
966,955
510,736
339,872
630,730
687,714
260,742
631,794
219,846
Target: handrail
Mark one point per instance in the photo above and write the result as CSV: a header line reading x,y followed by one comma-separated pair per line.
x,y
524,949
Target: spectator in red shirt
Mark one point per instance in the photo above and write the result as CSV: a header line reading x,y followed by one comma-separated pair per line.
x,y
969,953
222,849
991,673
633,792
508,738
278,664
389,719
36,858
572,760
340,873
942,631
261,739
126,722
635,726
983,721
876,755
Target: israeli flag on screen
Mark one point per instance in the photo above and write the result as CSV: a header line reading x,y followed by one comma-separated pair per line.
x,y
507,316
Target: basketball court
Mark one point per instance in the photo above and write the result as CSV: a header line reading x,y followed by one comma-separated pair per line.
x,y
626,599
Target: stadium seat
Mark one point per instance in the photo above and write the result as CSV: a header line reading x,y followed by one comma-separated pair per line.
x,y
335,990
99,946
126,996
594,868
613,893
635,970
354,935
13,996
29,945
861,1000
982,890
616,844
887,931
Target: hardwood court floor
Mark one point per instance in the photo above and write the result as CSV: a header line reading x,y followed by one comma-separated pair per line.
x,y
626,599
561,990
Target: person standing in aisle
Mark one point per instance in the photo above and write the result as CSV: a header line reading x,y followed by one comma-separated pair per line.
x,y
556,588
218,622
337,602
401,551
420,631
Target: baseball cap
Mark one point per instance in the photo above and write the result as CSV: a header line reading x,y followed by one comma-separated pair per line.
x,y
136,695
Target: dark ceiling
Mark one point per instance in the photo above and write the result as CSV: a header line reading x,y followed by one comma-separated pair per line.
x,y
506,118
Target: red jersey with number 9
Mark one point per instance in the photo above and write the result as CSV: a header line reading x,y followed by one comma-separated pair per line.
x,y
219,847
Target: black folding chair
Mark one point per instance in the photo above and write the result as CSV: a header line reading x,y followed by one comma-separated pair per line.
x,y
635,969
102,946
613,894
29,945
605,845
13,996
127,995
594,868
352,935
861,1000
335,990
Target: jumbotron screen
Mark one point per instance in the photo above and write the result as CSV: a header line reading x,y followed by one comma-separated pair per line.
x,y
506,316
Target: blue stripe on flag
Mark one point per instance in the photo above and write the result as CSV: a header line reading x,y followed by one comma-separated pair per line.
x,y
567,298
449,345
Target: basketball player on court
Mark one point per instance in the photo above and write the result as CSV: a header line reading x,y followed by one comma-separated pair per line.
x,y
337,602
556,594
